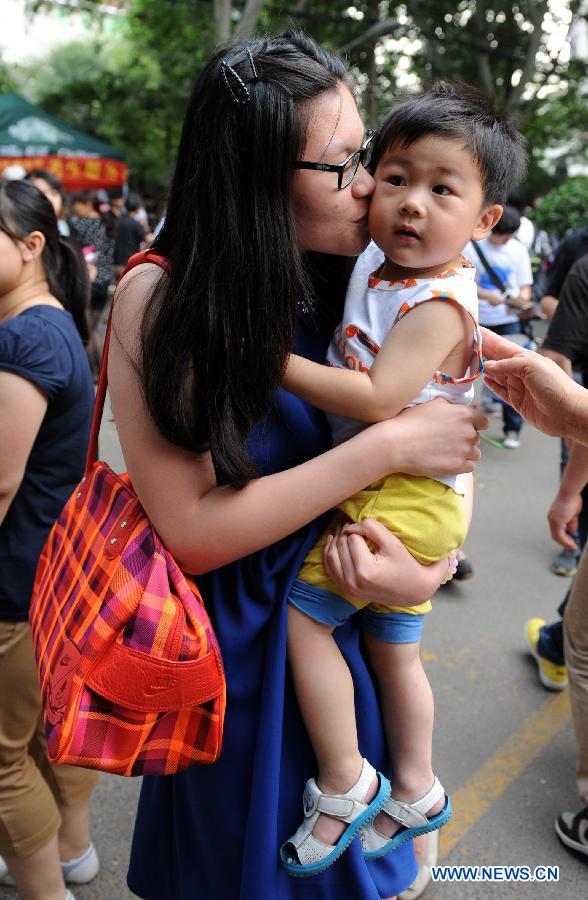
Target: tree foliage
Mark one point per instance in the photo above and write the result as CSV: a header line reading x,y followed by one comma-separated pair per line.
x,y
563,207
130,83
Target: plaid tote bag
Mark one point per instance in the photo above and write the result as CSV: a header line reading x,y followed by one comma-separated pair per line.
x,y
131,675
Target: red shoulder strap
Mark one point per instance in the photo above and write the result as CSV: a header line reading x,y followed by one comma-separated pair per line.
x,y
145,256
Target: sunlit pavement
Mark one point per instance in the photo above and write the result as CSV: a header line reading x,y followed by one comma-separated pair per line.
x,y
503,745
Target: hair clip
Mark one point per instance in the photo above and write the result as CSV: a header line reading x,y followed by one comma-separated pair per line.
x,y
254,74
237,87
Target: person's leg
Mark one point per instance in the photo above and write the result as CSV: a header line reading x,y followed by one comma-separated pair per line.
x,y
408,715
71,787
29,818
324,690
576,655
511,420
39,876
74,834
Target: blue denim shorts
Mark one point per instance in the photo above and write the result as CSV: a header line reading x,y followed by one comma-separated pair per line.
x,y
330,609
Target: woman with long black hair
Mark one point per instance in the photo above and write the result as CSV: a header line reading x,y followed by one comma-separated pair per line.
x,y
235,473
46,400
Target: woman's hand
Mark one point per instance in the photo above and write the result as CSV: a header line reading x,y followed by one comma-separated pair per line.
x,y
543,394
437,437
389,575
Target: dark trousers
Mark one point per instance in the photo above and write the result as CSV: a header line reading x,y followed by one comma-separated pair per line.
x,y
550,643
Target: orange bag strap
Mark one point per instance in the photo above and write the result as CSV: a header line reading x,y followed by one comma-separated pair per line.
x,y
136,260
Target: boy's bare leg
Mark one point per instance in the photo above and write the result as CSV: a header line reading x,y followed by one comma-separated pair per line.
x,y
408,714
325,695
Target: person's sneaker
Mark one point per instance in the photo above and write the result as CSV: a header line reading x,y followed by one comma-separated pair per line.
x,y
82,869
511,440
551,676
566,563
464,570
430,858
4,876
572,830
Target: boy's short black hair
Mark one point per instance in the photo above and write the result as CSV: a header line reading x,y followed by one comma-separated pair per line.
x,y
460,111
509,221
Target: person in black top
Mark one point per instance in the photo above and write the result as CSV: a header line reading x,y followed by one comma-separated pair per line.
x,y
566,340
571,248
129,234
45,387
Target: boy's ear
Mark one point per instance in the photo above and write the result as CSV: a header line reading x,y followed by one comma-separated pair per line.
x,y
489,217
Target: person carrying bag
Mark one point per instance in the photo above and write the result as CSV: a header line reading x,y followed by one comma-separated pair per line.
x,y
131,674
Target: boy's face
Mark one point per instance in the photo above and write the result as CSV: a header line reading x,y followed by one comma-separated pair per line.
x,y
427,205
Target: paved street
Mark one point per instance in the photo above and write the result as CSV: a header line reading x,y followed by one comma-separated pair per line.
x,y
503,746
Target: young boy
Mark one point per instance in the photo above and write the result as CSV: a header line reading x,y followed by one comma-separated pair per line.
x,y
443,164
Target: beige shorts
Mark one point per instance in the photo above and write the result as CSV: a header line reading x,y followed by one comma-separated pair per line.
x,y
31,788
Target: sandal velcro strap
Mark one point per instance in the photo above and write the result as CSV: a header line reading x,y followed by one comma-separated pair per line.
x,y
338,807
413,819
303,854
413,814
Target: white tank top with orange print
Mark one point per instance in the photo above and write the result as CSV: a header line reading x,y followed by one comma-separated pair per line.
x,y
373,306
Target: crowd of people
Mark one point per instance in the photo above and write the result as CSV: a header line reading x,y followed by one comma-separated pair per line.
x,y
217,383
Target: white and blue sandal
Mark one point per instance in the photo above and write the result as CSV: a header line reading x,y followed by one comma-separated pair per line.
x,y
303,854
412,818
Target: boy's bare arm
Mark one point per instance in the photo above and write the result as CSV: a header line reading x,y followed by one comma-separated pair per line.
x,y
417,347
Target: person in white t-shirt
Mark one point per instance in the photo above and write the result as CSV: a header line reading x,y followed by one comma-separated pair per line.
x,y
499,306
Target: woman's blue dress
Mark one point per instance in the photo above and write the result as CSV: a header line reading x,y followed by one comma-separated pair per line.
x,y
214,833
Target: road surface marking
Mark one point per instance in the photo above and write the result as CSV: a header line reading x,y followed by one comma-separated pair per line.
x,y
497,773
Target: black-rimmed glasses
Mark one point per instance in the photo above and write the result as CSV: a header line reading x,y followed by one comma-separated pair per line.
x,y
347,169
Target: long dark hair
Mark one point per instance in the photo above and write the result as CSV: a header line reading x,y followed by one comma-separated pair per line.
x,y
23,209
215,336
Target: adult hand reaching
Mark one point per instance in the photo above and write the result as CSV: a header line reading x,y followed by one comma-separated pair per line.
x,y
563,519
537,388
389,575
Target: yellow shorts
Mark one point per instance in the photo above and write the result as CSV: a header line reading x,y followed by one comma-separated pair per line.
x,y
426,515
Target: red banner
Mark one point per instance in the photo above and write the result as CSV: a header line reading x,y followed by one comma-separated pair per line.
x,y
76,173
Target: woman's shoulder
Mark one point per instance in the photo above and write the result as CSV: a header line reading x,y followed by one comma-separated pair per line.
x,y
138,284
131,298
26,332
39,344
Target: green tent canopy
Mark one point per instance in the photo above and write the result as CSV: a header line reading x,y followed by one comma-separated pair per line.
x,y
35,140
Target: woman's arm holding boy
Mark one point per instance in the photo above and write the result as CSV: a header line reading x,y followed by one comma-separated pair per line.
x,y
206,525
